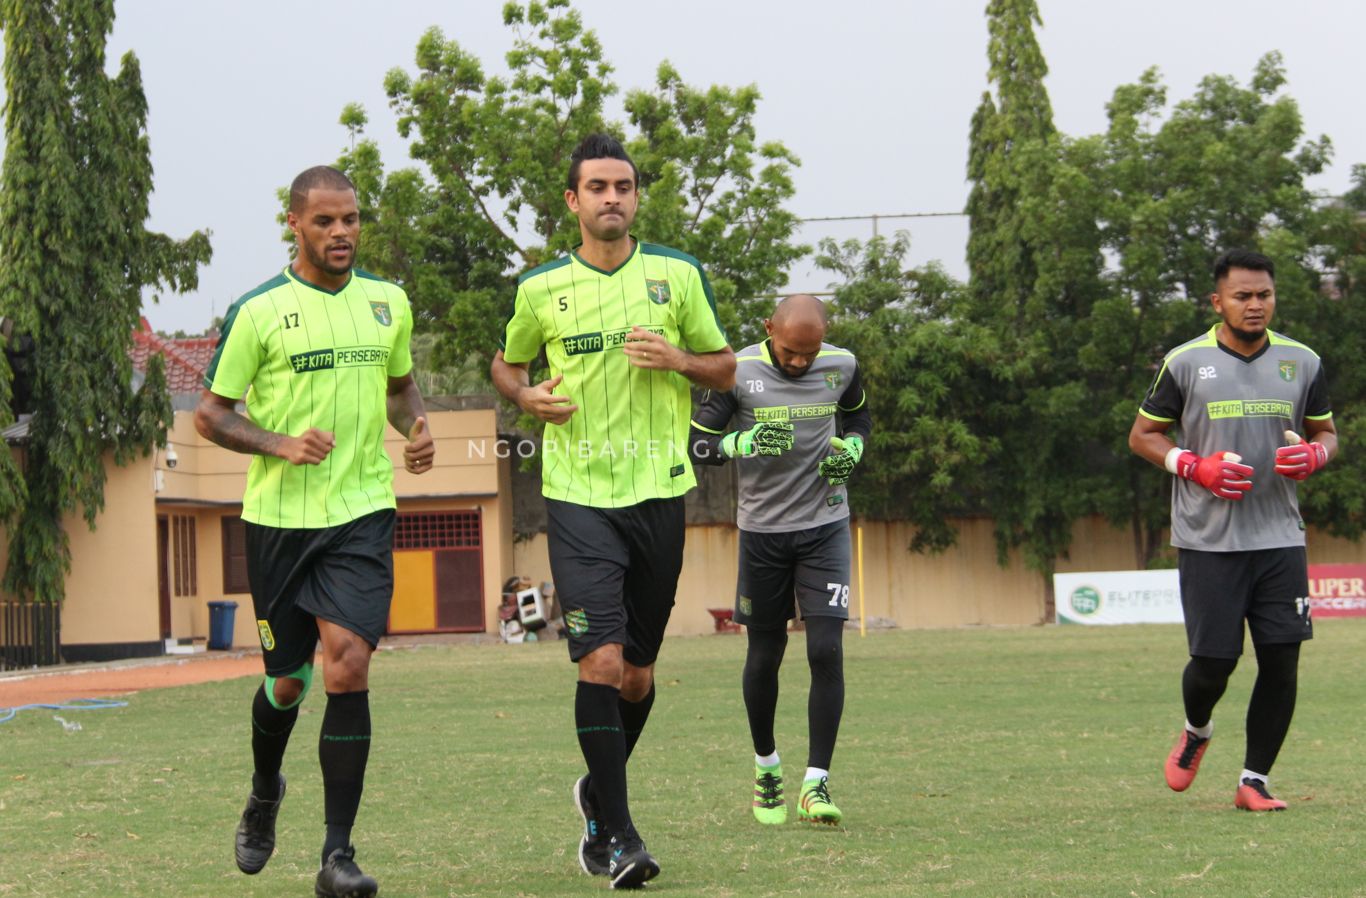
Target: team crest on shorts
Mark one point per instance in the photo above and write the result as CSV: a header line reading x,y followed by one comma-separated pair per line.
x,y
381,312
267,637
576,621
746,605
832,379
1287,370
658,291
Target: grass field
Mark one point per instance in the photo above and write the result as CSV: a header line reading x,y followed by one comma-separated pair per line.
x,y
972,762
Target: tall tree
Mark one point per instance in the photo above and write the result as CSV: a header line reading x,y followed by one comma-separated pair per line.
x,y
74,259
1009,149
1034,263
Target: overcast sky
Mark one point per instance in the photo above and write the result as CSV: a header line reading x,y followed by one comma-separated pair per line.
x,y
874,97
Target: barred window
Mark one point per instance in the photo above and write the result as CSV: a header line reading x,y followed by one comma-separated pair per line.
x,y
438,530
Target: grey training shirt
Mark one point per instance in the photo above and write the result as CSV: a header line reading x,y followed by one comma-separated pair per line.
x,y
783,493
1224,402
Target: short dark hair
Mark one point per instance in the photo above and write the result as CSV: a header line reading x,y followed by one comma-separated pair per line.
x,y
323,177
1242,258
598,146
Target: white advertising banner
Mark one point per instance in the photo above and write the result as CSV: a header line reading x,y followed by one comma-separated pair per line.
x,y
1118,597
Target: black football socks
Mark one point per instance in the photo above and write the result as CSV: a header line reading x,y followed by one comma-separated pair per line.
x,y
597,716
633,717
343,750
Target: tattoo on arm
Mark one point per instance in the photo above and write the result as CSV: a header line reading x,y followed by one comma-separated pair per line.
x,y
232,431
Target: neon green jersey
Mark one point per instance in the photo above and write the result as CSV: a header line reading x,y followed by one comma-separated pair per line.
x,y
627,443
315,358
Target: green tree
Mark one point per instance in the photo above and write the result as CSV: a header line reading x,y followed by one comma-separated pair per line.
x,y
697,152
1009,164
488,200
74,259
1335,314
496,150
923,365
1034,262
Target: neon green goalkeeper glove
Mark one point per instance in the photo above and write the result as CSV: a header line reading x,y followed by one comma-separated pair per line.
x,y
837,467
764,438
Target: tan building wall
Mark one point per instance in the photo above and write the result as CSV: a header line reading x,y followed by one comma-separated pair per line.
x,y
109,600
963,586
95,610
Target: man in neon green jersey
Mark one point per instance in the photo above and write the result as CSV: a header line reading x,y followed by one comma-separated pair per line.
x,y
626,327
321,352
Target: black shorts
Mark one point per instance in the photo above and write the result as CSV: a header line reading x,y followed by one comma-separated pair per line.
x,y
616,572
343,574
1269,588
811,566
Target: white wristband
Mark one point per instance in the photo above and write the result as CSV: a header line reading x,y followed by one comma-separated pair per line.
x,y
1170,462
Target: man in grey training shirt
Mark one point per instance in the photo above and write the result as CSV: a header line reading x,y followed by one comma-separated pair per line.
x,y
1241,396
800,419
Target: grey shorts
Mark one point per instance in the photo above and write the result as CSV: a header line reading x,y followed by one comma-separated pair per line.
x,y
781,572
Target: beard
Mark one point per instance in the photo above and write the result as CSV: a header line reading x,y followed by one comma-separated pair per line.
x,y
1246,336
321,260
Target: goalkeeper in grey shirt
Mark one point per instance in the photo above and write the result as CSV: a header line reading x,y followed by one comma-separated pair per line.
x,y
795,423
1241,395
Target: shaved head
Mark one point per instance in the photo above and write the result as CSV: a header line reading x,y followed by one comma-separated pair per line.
x,y
796,332
799,306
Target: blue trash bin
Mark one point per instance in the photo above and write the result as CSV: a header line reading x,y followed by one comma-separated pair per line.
x,y
221,616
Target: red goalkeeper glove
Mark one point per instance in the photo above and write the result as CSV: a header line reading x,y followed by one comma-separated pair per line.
x,y
1301,458
1220,473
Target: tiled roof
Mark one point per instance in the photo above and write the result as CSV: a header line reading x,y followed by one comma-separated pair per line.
x,y
16,432
186,359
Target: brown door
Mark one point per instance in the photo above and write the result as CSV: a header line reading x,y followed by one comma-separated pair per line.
x,y
163,586
460,590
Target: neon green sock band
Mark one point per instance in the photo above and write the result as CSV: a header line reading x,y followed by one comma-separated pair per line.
x,y
304,674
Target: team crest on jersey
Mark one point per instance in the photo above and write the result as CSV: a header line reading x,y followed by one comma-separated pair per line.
x,y
1287,371
658,291
832,379
267,637
381,312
